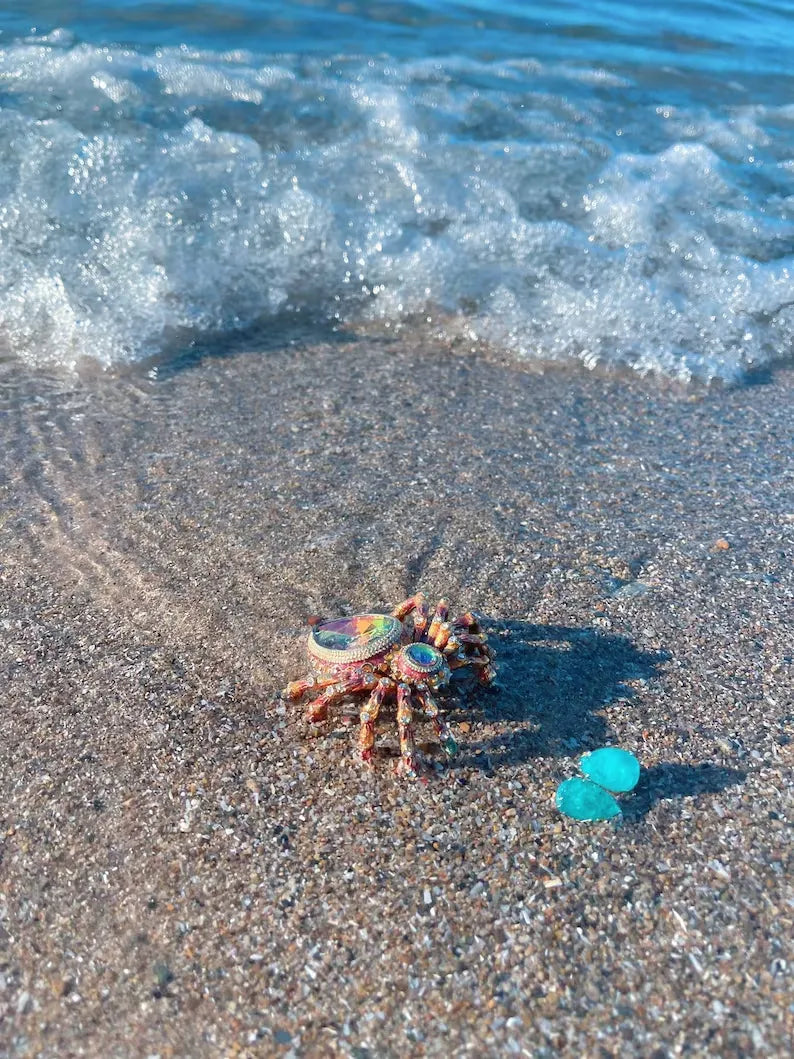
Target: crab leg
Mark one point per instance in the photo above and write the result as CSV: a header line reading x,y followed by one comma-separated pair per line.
x,y
369,716
468,621
405,725
486,671
442,636
296,689
440,615
482,660
452,646
458,661
421,614
407,606
428,705
317,709
475,639
487,674
475,650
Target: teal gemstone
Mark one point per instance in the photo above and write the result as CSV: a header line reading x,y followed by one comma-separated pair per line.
x,y
611,767
583,800
449,746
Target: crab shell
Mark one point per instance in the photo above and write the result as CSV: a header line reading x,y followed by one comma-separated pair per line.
x,y
375,643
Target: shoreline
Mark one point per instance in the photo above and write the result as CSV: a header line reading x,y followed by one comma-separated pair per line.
x,y
185,866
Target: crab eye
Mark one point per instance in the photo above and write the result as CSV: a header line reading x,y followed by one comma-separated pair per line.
x,y
419,661
423,655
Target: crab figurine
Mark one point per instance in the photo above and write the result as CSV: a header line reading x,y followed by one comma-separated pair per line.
x,y
383,657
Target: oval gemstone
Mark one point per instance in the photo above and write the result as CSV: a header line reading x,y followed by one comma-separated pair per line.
x,y
422,655
611,767
584,800
360,636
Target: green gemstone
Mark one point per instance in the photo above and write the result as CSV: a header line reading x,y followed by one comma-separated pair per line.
x,y
611,767
583,800
449,746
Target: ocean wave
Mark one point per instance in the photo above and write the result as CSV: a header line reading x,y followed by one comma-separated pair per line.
x,y
555,212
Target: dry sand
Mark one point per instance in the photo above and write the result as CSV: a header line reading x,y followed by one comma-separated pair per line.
x,y
186,871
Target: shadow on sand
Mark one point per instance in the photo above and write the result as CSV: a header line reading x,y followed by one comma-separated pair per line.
x,y
554,680
668,781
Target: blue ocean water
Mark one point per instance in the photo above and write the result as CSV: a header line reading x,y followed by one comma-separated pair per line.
x,y
601,181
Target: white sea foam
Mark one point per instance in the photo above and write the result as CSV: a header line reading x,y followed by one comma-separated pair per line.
x,y
147,198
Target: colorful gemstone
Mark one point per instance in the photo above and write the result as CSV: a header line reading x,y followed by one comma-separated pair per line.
x,y
611,767
584,800
422,655
354,639
419,662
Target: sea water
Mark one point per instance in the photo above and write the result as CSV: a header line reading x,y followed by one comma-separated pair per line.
x,y
599,181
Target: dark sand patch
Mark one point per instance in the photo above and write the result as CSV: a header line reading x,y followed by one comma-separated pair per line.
x,y
184,871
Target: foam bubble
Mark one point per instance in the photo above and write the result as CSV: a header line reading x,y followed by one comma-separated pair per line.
x,y
147,198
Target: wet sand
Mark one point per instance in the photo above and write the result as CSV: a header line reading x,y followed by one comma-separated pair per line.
x,y
186,870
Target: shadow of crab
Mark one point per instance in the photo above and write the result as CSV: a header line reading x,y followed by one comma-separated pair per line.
x,y
554,681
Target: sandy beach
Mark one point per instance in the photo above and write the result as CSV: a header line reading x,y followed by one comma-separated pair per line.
x,y
186,870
